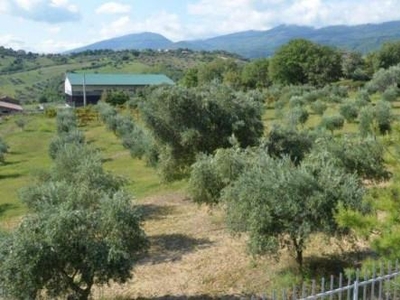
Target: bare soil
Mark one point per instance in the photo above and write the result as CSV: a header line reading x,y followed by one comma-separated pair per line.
x,y
193,256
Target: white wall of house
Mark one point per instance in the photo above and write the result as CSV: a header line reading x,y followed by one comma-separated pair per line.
x,y
68,87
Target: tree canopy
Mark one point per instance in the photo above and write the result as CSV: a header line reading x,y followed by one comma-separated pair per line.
x,y
301,61
81,230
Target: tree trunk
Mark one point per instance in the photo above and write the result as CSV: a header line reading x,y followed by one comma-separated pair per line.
x,y
298,246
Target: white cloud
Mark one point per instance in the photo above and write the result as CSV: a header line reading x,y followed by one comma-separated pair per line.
x,y
55,46
226,16
54,29
113,8
163,23
11,41
48,11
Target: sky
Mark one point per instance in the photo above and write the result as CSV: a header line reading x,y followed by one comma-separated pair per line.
x,y
52,26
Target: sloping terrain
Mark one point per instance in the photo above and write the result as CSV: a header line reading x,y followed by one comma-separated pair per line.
x,y
252,44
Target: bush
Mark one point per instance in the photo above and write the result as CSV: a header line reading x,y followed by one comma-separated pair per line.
x,y
3,149
283,142
66,121
366,121
383,115
63,140
383,79
319,107
349,111
391,93
332,123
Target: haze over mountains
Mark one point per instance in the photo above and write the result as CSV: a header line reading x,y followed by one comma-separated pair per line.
x,y
253,44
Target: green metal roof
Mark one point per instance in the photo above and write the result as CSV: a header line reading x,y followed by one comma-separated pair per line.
x,y
117,79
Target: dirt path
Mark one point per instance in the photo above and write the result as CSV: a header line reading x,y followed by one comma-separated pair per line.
x,y
191,254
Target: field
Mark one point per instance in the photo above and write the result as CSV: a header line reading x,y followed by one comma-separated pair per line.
x,y
192,253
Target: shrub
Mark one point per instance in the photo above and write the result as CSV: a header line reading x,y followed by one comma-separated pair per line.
x,y
332,123
391,93
319,107
349,111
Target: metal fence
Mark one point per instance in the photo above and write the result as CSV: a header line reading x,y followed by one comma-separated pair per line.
x,y
377,284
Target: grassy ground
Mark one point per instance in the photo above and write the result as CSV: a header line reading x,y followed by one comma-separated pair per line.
x,y
192,253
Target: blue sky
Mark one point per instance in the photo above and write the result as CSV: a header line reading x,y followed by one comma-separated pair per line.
x,y
58,25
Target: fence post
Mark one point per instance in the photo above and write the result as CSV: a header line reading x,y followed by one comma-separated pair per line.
x,y
355,290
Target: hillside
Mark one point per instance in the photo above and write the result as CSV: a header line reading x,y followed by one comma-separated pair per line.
x,y
27,76
253,44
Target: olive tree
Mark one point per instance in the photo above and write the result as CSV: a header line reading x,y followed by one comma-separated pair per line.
x,y
280,205
3,149
82,231
188,121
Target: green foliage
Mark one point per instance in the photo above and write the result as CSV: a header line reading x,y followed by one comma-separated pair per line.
x,y
190,78
353,66
21,122
281,205
50,112
82,231
255,74
297,115
319,107
387,56
391,93
289,142
116,97
210,174
3,149
366,121
63,139
43,99
66,121
383,79
384,117
332,123
301,61
185,122
361,156
349,111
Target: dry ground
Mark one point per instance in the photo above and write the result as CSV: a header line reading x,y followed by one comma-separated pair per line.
x,y
193,255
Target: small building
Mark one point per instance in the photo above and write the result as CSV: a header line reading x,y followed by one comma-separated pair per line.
x,y
83,86
7,108
9,100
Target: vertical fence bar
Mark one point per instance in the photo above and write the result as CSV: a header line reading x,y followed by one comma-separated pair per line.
x,y
396,269
274,295
322,286
304,290
373,282
355,289
349,289
284,294
387,285
380,282
365,286
313,288
340,285
331,287
294,296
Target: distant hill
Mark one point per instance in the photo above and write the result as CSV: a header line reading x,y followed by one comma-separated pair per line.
x,y
139,41
252,44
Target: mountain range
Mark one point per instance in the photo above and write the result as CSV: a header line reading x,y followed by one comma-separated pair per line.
x,y
253,44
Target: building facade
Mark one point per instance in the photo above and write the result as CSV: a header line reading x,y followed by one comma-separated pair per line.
x,y
82,88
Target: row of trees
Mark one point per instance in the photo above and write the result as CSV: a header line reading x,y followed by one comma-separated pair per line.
x,y
298,62
177,123
81,229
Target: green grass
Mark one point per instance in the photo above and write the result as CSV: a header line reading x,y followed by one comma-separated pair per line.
x,y
28,154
